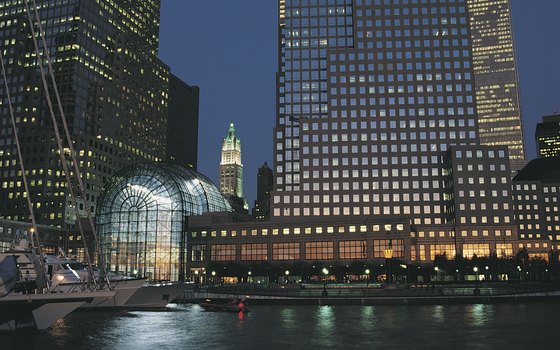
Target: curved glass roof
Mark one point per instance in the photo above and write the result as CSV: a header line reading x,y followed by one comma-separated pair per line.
x,y
142,216
163,186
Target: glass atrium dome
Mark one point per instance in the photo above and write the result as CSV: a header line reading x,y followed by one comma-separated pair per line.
x,y
143,213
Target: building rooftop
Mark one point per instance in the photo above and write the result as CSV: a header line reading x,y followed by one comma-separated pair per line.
x,y
540,169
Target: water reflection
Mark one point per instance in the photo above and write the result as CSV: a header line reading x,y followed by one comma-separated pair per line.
x,y
303,327
368,318
438,313
288,318
324,329
480,314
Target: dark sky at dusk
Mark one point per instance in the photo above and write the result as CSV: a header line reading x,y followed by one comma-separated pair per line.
x,y
228,48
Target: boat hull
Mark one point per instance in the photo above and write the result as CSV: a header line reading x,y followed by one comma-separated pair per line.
x,y
155,296
40,311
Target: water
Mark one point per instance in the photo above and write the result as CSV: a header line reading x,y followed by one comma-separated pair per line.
x,y
511,326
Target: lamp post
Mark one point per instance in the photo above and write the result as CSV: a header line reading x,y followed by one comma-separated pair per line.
x,y
388,253
287,273
367,277
475,269
196,280
325,273
213,277
436,269
404,266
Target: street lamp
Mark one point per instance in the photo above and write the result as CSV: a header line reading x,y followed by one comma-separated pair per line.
x,y
475,269
436,269
325,273
367,277
486,277
287,273
388,253
404,266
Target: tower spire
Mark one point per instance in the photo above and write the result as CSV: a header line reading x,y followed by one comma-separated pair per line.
x,y
231,170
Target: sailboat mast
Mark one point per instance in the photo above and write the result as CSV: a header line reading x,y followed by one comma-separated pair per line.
x,y
74,162
34,230
55,127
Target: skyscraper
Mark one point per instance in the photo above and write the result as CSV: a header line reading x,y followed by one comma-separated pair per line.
x,y
373,96
370,95
265,181
497,93
231,171
114,92
182,124
377,150
547,136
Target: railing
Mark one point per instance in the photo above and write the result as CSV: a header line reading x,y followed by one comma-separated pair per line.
x,y
380,291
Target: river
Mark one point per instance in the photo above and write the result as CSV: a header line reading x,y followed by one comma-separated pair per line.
x,y
187,326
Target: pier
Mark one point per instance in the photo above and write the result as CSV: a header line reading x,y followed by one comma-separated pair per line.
x,y
343,294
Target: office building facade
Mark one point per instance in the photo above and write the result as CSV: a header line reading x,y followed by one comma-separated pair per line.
x,y
547,136
114,93
182,123
536,196
496,81
370,96
265,181
378,140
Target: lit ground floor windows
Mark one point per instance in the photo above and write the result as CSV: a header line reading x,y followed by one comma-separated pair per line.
x,y
470,250
198,252
447,250
504,250
254,252
352,249
285,251
319,250
380,247
223,252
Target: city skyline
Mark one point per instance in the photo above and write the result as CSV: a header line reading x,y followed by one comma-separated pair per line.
x,y
210,54
111,91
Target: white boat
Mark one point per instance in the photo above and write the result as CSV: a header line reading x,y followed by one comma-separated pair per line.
x,y
132,292
20,310
39,311
155,295
68,276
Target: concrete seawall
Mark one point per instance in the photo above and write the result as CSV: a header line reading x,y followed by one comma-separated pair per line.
x,y
374,296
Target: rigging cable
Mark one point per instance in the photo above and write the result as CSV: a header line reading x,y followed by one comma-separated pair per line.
x,y
35,230
58,138
77,171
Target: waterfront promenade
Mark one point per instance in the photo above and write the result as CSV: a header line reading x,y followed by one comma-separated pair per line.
x,y
344,294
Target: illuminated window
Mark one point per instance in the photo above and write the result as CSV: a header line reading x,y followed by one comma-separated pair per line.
x,y
352,250
286,251
254,252
319,250
222,252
